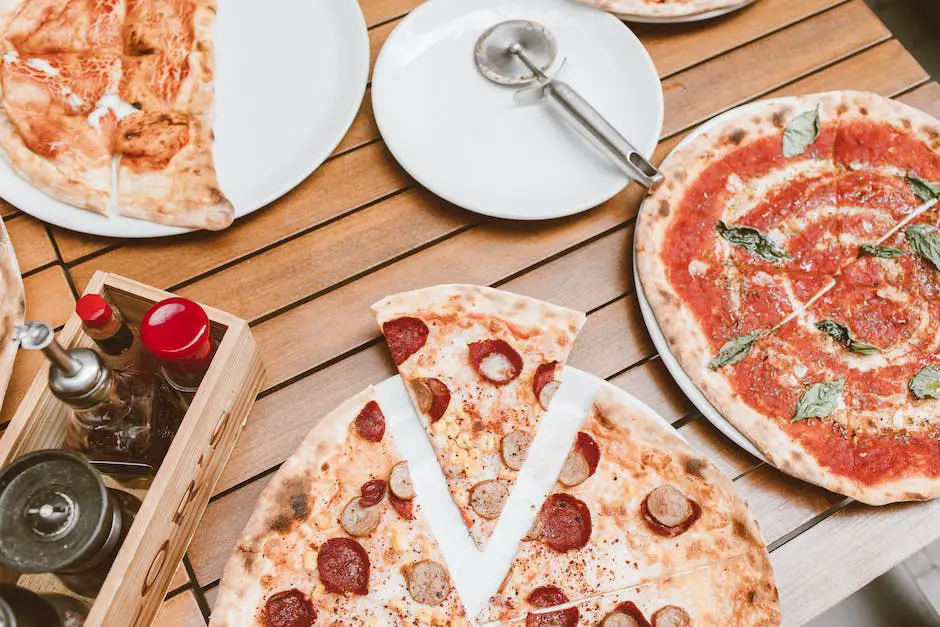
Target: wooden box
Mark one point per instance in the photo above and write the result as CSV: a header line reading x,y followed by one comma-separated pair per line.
x,y
177,498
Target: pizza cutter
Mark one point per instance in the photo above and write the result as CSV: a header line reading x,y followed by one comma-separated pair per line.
x,y
520,53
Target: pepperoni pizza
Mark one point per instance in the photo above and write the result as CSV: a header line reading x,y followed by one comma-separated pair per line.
x,y
337,538
90,85
635,504
792,260
481,366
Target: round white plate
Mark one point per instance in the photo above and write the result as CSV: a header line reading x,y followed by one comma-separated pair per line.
x,y
290,76
659,339
468,141
679,19
477,575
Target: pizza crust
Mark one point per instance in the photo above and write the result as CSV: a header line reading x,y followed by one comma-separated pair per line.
x,y
12,306
687,340
664,9
184,192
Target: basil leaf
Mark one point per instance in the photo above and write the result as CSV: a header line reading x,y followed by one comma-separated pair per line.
x,y
925,241
753,241
885,252
735,350
800,133
841,334
819,400
925,190
926,383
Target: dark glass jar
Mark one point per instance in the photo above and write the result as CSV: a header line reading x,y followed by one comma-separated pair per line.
x,y
57,516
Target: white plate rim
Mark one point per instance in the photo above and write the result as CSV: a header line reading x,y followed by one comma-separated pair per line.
x,y
684,19
672,364
154,230
381,121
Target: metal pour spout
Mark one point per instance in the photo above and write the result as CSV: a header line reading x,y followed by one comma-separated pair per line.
x,y
40,336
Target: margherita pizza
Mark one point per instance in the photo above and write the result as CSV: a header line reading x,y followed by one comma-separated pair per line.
x,y
635,504
90,85
337,538
481,366
792,259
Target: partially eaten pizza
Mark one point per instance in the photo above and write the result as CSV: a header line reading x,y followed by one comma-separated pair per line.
x,y
640,530
792,259
107,105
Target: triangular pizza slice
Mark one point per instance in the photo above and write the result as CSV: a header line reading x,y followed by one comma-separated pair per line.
x,y
337,537
633,503
481,366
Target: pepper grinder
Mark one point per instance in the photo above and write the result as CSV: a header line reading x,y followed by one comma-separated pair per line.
x,y
20,607
57,516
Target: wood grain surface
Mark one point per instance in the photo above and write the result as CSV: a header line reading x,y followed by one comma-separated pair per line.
x,y
306,269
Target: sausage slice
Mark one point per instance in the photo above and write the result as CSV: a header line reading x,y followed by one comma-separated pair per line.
x,y
399,482
428,582
514,447
359,519
487,499
671,616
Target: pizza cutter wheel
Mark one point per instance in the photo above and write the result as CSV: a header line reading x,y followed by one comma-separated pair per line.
x,y
520,52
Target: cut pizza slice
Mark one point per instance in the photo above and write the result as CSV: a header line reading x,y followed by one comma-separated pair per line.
x,y
169,55
481,366
633,503
52,130
57,26
166,172
738,592
337,538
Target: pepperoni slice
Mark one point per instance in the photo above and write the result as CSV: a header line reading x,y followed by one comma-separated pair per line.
x,y
344,566
290,608
587,446
566,523
432,397
496,361
404,507
671,616
549,596
625,615
370,423
668,512
405,337
373,492
544,384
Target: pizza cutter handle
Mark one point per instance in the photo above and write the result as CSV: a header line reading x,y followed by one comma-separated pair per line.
x,y
600,133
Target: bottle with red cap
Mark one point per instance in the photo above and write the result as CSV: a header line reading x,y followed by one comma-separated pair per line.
x,y
116,341
177,332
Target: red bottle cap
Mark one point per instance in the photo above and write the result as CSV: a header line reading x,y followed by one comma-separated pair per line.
x,y
94,311
176,329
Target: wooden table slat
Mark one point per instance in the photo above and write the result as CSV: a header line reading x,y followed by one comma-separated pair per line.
x,y
307,268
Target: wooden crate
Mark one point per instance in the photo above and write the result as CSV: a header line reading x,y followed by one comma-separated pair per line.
x,y
177,498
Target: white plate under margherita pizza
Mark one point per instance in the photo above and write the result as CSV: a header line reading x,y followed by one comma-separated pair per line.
x,y
621,522
792,262
134,118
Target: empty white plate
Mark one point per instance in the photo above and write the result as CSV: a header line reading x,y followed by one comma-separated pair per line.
x,y
290,76
468,141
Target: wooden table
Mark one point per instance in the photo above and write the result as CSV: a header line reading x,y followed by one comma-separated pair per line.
x,y
306,269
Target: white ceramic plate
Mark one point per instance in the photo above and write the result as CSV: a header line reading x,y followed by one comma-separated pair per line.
x,y
467,140
696,17
659,339
478,575
290,76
